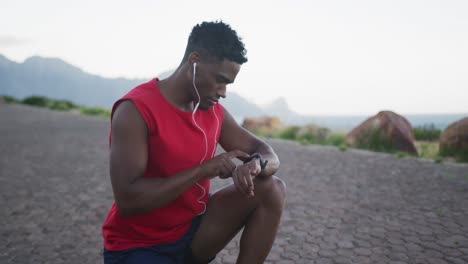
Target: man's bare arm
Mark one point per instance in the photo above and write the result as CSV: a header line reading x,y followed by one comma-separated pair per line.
x,y
233,136
135,194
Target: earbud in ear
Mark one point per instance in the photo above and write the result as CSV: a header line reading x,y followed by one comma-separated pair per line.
x,y
194,68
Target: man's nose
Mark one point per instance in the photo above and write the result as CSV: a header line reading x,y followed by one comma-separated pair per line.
x,y
221,92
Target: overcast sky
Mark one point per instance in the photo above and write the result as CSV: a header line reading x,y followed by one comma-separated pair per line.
x,y
324,57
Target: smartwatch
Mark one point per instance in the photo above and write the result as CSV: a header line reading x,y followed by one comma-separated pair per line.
x,y
258,156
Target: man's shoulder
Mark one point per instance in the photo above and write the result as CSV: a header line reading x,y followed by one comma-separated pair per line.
x,y
143,88
139,94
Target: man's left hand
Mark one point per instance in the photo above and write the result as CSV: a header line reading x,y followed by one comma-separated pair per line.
x,y
243,175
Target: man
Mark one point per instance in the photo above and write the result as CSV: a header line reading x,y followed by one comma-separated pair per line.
x,y
163,139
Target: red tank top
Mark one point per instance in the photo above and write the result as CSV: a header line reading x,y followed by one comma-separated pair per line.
x,y
175,144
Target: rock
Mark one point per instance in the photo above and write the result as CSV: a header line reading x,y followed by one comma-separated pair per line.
x,y
386,131
267,126
454,140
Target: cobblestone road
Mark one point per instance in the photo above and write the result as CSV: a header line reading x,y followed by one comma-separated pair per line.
x,y
342,207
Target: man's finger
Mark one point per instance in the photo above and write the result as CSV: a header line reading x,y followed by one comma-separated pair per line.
x,y
250,184
228,167
237,154
236,182
242,180
243,184
258,168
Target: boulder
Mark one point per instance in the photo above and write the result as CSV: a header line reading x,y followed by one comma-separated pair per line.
x,y
386,131
454,140
266,126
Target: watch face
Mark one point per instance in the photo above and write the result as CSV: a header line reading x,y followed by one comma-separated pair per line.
x,y
258,156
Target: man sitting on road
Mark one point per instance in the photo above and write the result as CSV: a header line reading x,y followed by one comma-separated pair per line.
x,y
164,135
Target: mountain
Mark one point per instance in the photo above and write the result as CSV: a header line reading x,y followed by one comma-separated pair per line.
x,y
280,108
57,79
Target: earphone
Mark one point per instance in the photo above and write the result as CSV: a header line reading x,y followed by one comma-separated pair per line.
x,y
204,134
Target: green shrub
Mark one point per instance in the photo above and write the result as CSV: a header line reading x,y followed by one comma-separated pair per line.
x,y
375,140
342,148
61,105
40,101
427,132
459,155
10,99
313,134
95,111
309,137
289,133
265,132
336,139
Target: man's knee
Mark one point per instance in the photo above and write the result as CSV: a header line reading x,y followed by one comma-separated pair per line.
x,y
280,185
271,189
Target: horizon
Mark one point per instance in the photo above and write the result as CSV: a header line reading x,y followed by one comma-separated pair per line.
x,y
264,105
333,58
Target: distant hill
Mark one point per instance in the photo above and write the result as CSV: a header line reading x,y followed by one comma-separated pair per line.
x,y
57,79
54,78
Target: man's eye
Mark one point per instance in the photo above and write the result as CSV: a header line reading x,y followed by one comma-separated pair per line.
x,y
222,79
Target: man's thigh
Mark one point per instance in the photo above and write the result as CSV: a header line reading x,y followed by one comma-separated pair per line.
x,y
226,213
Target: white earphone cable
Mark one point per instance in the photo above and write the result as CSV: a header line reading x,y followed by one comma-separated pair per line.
x,y
204,136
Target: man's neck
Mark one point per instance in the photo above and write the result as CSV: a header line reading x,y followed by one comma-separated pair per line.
x,y
174,89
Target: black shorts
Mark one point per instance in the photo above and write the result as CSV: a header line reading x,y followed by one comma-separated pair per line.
x,y
178,252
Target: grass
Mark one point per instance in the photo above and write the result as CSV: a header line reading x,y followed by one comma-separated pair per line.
x,y
58,105
428,149
95,111
400,155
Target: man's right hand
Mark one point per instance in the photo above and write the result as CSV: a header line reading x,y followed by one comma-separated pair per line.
x,y
222,165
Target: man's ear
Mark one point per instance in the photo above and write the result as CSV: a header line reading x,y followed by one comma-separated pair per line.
x,y
194,57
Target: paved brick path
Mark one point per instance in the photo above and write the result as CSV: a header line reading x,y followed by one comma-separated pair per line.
x,y
343,207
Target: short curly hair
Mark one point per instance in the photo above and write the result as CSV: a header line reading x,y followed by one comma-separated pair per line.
x,y
216,39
